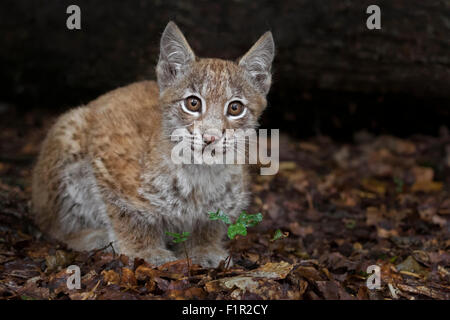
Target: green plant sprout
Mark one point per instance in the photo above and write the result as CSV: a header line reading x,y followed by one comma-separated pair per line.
x,y
399,183
278,235
181,238
219,215
178,237
244,221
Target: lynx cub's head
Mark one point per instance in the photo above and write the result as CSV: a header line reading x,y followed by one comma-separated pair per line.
x,y
213,94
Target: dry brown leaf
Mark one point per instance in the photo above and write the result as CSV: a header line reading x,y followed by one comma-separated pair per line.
x,y
110,277
423,290
373,216
309,273
60,260
128,279
193,293
412,266
262,288
298,230
444,208
144,273
253,257
423,174
427,187
308,146
374,185
385,233
33,290
332,290
272,270
401,146
287,165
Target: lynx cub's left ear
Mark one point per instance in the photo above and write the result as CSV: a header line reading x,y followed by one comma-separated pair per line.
x,y
258,62
174,58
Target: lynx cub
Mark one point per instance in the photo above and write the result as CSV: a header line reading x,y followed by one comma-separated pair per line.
x,y
105,174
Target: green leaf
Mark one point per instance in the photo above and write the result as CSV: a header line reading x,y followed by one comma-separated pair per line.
x,y
236,229
279,235
393,259
240,226
172,234
363,274
351,224
219,215
249,220
177,237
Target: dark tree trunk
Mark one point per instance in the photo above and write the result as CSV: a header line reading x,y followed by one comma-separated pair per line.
x,y
332,74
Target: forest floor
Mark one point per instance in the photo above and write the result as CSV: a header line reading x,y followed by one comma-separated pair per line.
x,y
379,200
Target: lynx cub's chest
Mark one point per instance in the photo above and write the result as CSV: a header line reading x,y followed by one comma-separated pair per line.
x,y
187,193
106,173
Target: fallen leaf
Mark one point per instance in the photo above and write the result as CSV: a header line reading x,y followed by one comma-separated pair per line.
x,y
307,146
423,174
144,273
429,292
400,146
298,230
110,277
427,187
128,279
272,270
411,265
386,234
309,273
287,165
61,259
33,290
332,290
193,293
374,185
444,208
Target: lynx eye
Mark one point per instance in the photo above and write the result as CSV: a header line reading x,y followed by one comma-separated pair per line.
x,y
235,109
193,104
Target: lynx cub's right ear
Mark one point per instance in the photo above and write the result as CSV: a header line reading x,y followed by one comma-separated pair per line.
x,y
175,55
258,62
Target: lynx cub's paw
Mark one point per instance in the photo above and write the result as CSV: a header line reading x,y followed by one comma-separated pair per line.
x,y
208,257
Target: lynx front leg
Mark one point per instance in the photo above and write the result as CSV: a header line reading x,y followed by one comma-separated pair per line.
x,y
138,238
206,244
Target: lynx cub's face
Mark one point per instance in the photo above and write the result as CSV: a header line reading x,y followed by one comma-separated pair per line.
x,y
211,95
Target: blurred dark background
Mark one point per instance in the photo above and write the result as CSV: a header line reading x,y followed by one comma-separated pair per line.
x,y
332,75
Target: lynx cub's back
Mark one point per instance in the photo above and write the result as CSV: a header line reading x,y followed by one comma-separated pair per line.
x,y
105,172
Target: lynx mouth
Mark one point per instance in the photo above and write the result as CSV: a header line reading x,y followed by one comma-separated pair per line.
x,y
204,145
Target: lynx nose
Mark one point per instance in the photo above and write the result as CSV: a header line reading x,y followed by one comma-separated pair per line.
x,y
212,135
210,138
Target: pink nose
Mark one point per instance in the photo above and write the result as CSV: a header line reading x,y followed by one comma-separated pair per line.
x,y
208,138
